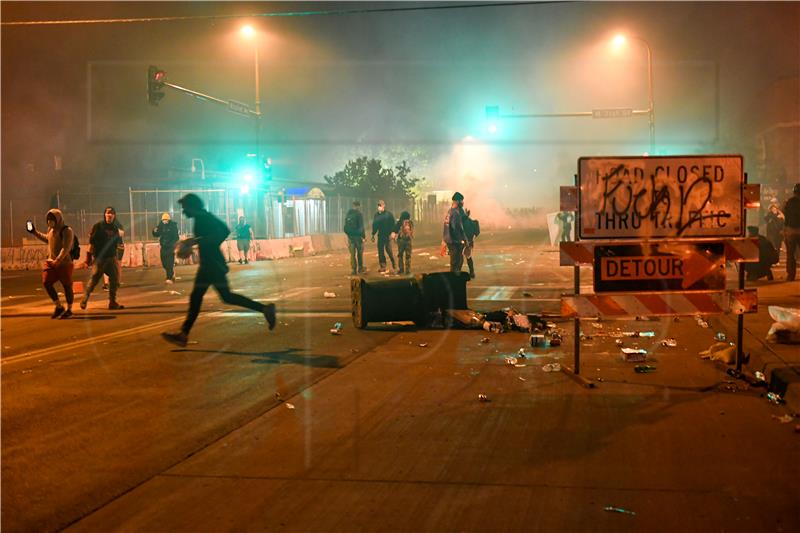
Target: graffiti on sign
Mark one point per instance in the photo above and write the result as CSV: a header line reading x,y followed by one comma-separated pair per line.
x,y
663,266
660,197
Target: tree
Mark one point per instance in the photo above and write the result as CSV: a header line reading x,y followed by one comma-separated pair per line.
x,y
368,177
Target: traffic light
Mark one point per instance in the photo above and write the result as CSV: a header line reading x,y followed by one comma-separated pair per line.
x,y
155,82
268,168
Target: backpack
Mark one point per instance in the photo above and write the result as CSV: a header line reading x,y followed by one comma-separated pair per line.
x,y
407,229
472,228
75,251
351,222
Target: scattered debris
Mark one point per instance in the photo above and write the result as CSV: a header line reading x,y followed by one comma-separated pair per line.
x,y
670,342
511,361
328,294
485,340
521,353
774,398
520,365
423,345
638,334
423,253
612,509
27,371
720,351
597,325
618,342
644,369
551,367
337,328
493,327
537,339
527,295
483,398
289,405
785,419
521,378
634,355
721,336
701,322
466,317
555,339
786,328
760,376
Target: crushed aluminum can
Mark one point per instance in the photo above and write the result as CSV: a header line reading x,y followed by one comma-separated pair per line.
x,y
537,339
671,343
720,336
483,398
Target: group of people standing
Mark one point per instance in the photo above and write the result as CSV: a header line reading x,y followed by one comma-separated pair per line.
x,y
782,227
387,229
459,237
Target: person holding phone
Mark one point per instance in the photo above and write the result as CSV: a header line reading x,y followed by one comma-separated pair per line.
x,y
58,267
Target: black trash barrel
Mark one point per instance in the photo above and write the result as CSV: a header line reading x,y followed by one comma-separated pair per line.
x,y
386,300
444,290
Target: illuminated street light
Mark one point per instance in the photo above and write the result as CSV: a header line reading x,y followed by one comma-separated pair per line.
x,y
617,42
248,32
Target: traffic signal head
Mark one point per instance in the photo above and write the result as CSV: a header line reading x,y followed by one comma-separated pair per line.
x,y
155,84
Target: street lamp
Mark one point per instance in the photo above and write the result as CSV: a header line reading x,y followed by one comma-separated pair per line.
x,y
618,41
249,33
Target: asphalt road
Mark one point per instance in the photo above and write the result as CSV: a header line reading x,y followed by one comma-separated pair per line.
x,y
107,427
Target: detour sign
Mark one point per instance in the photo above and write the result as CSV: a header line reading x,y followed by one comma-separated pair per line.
x,y
660,197
663,266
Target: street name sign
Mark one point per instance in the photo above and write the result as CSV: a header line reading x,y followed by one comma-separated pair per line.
x,y
669,197
612,113
674,266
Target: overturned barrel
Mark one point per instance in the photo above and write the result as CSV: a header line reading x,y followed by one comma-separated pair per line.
x,y
443,290
386,300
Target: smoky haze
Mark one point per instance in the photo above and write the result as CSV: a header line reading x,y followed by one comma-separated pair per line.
x,y
336,87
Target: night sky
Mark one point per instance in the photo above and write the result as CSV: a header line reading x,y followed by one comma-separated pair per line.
x,y
383,84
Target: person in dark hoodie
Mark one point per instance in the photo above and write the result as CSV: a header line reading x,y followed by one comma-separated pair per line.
x,y
354,229
104,239
383,225
405,236
167,233
453,233
58,266
209,234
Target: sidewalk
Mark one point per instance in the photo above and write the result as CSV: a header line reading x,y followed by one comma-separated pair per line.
x,y
769,358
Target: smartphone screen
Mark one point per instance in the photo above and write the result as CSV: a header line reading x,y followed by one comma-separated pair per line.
x,y
29,225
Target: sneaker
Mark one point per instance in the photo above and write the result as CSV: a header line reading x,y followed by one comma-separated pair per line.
x,y
180,338
169,282
115,305
240,261
246,262
57,312
65,314
84,303
269,314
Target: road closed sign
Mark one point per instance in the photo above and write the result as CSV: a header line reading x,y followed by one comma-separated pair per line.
x,y
661,266
675,197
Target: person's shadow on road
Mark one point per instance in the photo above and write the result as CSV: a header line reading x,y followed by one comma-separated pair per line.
x,y
292,356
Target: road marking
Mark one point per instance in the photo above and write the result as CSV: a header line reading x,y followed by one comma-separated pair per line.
x,y
499,292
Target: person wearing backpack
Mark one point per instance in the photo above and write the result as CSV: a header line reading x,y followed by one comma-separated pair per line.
x,y
167,233
104,239
61,243
405,235
354,229
472,228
